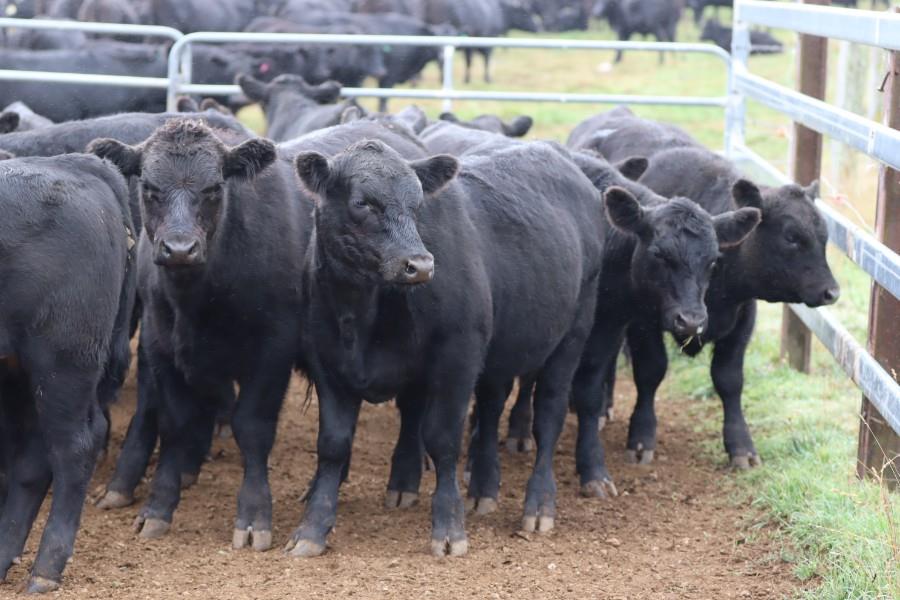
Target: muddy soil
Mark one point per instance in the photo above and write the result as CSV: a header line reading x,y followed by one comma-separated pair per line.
x,y
671,533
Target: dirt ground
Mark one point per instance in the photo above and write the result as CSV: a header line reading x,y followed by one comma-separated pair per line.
x,y
671,533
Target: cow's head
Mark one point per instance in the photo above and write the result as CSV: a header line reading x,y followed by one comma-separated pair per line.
x,y
291,87
678,244
184,172
785,256
366,201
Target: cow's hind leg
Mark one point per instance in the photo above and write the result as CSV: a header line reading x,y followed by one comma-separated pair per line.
x,y
484,482
551,403
73,427
518,437
406,463
140,440
29,474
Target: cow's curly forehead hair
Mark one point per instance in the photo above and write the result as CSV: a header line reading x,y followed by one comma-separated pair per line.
x,y
371,159
688,216
184,136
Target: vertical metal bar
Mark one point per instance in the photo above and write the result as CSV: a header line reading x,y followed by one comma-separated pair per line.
x,y
187,64
735,112
173,75
447,84
879,444
806,165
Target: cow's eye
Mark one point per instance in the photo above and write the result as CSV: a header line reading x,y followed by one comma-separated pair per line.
x,y
212,190
711,266
792,238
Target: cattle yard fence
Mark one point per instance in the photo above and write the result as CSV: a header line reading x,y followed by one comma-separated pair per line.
x,y
874,370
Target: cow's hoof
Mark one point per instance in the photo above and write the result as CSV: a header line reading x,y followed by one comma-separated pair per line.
x,y
395,499
188,479
481,506
40,585
112,499
539,524
305,549
641,456
446,547
743,462
517,445
260,541
599,488
150,528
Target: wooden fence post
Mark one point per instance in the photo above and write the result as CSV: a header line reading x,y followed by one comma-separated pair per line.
x,y
879,445
806,166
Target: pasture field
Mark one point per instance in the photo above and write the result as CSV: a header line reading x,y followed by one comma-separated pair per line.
x,y
841,536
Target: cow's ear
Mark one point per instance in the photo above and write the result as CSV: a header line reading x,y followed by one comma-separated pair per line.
x,y
350,114
746,193
314,170
186,104
624,211
733,227
325,93
632,168
812,190
435,173
519,126
9,121
248,159
254,89
126,158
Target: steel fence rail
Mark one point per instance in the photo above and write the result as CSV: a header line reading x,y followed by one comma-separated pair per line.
x,y
872,28
85,78
92,27
180,82
874,139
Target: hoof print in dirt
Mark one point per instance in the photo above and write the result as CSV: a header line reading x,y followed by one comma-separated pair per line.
x,y
446,547
744,462
481,506
601,488
260,541
395,499
149,528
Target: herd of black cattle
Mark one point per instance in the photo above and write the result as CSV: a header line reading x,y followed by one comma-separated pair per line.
x,y
383,256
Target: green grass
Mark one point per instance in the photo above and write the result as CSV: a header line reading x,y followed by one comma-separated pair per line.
x,y
842,535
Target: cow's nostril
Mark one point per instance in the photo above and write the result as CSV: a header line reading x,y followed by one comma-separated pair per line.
x,y
831,295
411,269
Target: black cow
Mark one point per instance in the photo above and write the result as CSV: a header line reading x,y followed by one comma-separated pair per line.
x,y
481,18
293,107
27,118
518,127
188,16
563,15
698,6
298,10
647,17
783,260
109,11
317,63
603,132
761,42
219,261
68,268
661,268
400,302
412,8
65,102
